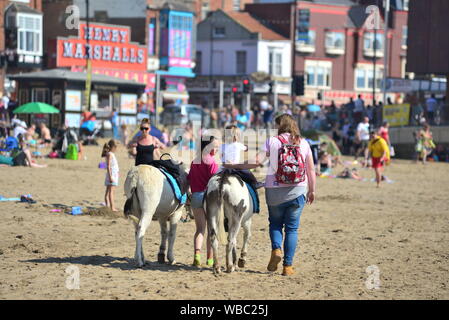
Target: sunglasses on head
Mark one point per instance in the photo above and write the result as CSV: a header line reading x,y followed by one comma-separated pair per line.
x,y
144,128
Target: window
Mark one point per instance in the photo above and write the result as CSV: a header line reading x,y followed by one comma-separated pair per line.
x,y
405,4
199,56
335,40
29,33
318,73
404,36
274,62
310,40
219,32
241,62
236,5
278,64
23,96
40,95
368,43
364,79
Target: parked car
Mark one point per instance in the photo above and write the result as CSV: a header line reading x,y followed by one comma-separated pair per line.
x,y
178,115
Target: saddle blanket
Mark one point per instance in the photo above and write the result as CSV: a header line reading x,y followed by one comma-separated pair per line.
x,y
182,198
254,197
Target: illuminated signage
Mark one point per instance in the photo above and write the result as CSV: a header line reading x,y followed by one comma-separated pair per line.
x,y
109,47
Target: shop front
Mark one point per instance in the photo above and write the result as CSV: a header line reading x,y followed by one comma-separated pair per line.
x,y
65,90
111,54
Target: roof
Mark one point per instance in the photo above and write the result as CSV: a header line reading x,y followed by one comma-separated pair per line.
x,y
62,74
115,9
254,26
346,3
128,8
176,6
17,7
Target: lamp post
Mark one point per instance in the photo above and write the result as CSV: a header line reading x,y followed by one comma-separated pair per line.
x,y
157,97
88,61
384,82
293,51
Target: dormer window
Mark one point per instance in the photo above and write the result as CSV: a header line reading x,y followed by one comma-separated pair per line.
x,y
219,32
24,24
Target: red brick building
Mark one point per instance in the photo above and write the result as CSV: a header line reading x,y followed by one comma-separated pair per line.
x,y
336,57
20,38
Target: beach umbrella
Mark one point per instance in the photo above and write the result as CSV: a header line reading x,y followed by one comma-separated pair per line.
x,y
36,107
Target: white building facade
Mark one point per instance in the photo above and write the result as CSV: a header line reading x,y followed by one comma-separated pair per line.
x,y
233,46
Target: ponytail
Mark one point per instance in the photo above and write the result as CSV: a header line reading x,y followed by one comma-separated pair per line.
x,y
108,147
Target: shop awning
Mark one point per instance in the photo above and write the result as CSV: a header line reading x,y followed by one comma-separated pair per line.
x,y
63,74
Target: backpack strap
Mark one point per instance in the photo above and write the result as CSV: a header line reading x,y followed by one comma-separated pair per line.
x,y
282,139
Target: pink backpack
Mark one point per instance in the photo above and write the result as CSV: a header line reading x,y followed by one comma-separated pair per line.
x,y
291,165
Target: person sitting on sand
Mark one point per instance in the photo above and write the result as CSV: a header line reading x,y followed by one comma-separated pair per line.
x,y
350,174
31,131
45,134
22,157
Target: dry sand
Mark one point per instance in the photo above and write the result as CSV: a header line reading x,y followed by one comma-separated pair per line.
x,y
402,229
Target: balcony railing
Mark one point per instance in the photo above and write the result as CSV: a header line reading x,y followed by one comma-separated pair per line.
x,y
305,47
370,53
335,50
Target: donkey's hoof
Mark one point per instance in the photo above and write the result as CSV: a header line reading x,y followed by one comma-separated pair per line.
x,y
217,270
161,258
171,262
242,263
140,264
230,269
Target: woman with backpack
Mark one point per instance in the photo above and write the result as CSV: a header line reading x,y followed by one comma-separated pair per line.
x,y
289,185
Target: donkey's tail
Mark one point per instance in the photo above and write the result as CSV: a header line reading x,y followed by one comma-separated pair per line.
x,y
130,190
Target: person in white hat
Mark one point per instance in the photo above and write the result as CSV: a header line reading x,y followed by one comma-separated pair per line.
x,y
20,129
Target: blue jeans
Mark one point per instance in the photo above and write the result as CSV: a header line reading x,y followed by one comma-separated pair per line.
x,y
286,216
115,132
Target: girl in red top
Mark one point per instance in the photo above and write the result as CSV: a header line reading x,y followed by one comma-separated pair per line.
x,y
383,132
203,167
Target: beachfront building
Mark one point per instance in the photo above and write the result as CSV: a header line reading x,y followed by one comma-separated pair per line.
x,y
233,46
21,39
112,53
335,52
64,89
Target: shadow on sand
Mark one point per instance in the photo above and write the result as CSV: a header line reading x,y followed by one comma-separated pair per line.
x,y
115,262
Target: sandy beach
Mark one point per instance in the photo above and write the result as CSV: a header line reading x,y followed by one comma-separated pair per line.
x,y
401,229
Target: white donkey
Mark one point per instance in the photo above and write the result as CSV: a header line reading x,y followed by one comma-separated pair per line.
x,y
228,196
152,195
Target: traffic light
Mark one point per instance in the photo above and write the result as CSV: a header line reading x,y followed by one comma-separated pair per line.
x,y
319,96
163,85
298,85
234,90
246,86
270,87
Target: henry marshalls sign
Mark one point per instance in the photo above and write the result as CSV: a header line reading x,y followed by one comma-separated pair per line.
x,y
109,47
